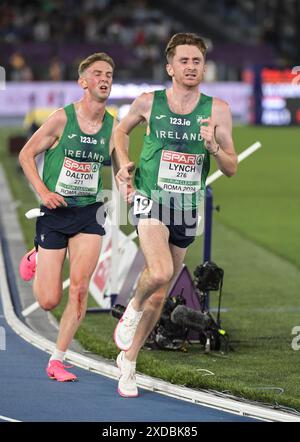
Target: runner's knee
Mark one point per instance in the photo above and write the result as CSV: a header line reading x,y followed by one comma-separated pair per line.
x,y
79,290
47,303
48,298
161,274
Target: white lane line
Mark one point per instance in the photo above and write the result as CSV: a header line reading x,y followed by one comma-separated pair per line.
x,y
8,419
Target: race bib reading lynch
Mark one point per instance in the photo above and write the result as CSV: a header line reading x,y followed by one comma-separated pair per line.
x,y
180,172
78,178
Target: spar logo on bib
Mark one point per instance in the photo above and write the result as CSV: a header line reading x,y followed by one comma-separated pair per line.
x,y
76,166
178,157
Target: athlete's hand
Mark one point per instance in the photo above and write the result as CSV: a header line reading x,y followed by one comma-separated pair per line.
x,y
207,132
124,181
52,200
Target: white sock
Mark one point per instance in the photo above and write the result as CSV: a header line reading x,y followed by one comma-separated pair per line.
x,y
58,355
137,311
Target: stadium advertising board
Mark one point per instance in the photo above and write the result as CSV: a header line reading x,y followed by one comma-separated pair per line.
x,y
20,98
280,97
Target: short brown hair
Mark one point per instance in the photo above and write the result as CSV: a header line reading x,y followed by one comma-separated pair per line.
x,y
185,38
98,56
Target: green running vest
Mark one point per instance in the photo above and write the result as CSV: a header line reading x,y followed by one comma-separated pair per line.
x,y
174,163
73,167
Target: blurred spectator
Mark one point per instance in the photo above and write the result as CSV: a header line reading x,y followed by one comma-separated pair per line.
x,y
18,68
133,24
137,31
41,27
56,70
211,74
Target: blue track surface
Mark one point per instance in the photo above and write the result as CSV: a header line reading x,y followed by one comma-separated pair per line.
x,y
28,395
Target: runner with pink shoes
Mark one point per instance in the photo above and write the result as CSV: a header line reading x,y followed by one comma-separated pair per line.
x,y
75,141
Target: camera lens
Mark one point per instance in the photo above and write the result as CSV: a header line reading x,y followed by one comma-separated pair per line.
x,y
117,311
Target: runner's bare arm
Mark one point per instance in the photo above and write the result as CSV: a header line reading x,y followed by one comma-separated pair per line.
x,y
138,112
126,189
112,151
218,137
44,138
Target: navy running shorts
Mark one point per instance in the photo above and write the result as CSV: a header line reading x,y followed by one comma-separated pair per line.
x,y
182,224
54,229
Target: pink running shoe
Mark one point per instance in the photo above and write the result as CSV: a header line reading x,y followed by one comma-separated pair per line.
x,y
56,370
28,265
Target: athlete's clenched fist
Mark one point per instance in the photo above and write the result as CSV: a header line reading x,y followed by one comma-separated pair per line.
x,y
52,200
124,181
207,132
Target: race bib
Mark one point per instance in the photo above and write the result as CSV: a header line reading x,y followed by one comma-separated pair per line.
x,y
141,205
78,178
180,172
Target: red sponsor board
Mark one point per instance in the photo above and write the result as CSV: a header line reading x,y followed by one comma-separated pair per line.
x,y
277,75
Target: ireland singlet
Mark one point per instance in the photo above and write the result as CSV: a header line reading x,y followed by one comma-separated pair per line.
x,y
174,163
73,167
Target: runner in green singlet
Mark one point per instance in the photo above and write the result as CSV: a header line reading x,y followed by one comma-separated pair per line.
x,y
185,129
74,142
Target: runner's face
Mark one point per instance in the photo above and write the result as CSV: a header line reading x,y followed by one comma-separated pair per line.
x,y
98,79
187,66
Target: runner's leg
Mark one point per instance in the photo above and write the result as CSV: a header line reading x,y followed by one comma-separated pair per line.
x,y
154,237
154,304
84,251
47,285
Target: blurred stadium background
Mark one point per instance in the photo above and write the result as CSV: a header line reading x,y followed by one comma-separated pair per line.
x,y
254,52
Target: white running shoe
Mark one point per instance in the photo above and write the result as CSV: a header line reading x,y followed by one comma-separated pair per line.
x,y
126,328
127,383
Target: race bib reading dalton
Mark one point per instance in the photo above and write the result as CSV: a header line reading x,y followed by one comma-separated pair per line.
x,y
78,178
180,172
